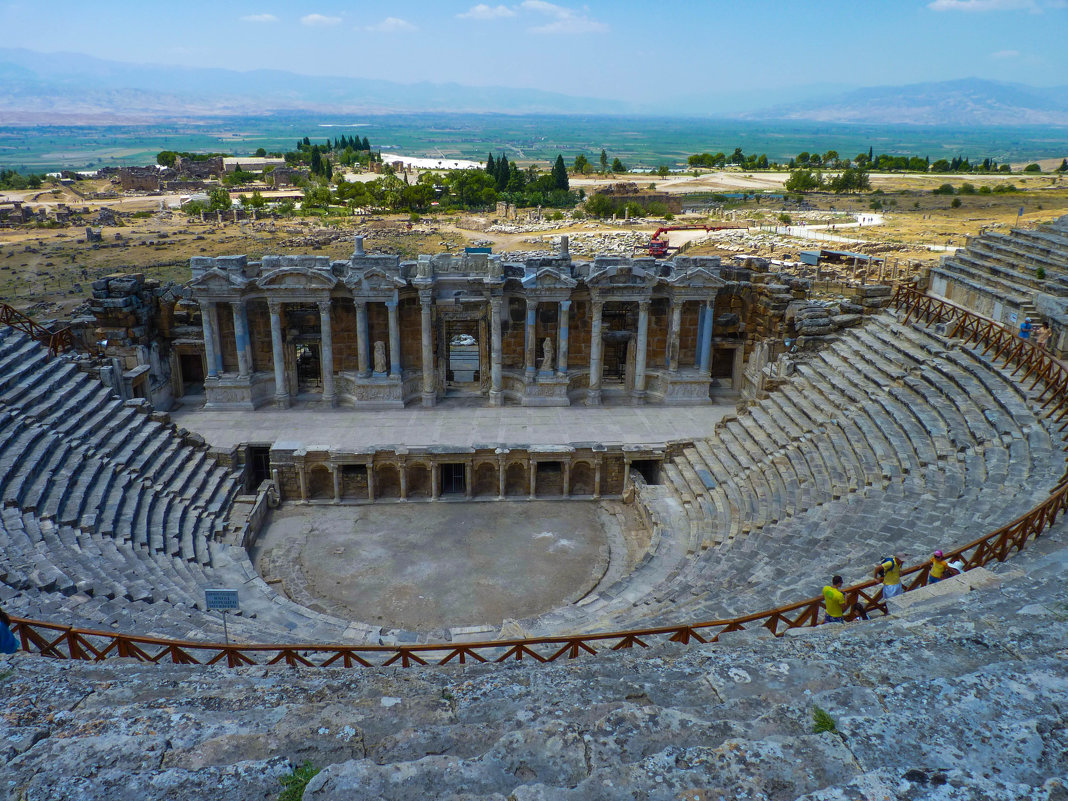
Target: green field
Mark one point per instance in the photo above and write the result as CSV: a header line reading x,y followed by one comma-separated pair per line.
x,y
641,142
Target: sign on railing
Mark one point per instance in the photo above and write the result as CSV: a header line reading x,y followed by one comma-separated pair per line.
x,y
64,642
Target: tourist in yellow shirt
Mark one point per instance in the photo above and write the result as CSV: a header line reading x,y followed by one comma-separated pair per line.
x,y
938,568
834,601
889,570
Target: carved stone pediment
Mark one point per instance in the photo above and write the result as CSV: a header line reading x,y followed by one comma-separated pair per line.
x,y
297,278
618,275
218,281
548,278
696,278
374,280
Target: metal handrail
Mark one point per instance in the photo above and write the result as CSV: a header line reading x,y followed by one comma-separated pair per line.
x,y
66,642
57,341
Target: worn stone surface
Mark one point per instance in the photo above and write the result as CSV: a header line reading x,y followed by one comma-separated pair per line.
x,y
948,702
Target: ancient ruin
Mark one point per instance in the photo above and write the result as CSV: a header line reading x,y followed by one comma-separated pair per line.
x,y
889,421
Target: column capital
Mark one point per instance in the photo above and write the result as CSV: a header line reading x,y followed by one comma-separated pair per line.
x,y
565,305
274,306
426,296
324,305
597,305
643,305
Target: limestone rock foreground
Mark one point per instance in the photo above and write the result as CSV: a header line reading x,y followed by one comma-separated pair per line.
x,y
961,696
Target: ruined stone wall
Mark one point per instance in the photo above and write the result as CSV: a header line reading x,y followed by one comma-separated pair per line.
x,y
259,326
410,319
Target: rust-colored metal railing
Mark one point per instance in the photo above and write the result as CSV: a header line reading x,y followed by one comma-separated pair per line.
x,y
65,642
57,341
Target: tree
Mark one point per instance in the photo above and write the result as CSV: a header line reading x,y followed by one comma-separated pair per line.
x,y
604,161
803,181
560,174
255,201
1064,166
219,200
830,157
850,180
261,152
316,161
491,165
617,166
1032,168
166,158
581,162
663,171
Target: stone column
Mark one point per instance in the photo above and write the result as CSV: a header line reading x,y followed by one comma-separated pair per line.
x,y
562,335
496,397
674,336
240,338
370,481
597,480
337,483
643,348
500,479
303,483
209,338
469,474
435,481
593,394
567,479
531,341
326,357
533,479
429,382
394,340
706,340
281,392
213,315
402,471
361,339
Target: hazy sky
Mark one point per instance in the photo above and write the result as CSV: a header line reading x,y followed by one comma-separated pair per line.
x,y
606,48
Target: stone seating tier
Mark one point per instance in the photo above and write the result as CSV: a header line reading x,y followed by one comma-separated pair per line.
x,y
662,723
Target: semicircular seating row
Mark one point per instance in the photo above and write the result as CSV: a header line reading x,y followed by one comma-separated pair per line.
x,y
892,439
109,517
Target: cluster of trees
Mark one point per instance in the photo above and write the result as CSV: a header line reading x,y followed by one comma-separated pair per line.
x,y
456,189
10,179
831,159
321,159
851,179
970,189
737,158
514,182
602,205
583,166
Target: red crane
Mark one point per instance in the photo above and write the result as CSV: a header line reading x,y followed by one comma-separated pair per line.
x,y
659,247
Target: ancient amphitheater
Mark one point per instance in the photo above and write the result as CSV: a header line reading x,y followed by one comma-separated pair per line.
x,y
920,426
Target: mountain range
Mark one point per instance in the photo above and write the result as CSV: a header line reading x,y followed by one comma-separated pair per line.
x,y
56,87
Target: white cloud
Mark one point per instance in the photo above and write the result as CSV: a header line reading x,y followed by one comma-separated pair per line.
x,y
392,25
483,11
982,5
562,19
1006,54
313,20
259,18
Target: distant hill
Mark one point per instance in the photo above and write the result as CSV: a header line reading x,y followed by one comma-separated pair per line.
x,y
38,87
70,84
966,102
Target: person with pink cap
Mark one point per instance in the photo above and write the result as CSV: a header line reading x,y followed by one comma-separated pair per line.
x,y
939,565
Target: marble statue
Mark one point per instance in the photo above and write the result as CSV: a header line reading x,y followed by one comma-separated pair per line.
x,y
547,355
380,357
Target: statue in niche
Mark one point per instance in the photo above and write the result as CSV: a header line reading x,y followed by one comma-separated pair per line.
x,y
547,355
380,357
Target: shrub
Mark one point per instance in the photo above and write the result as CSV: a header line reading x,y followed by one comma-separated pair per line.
x,y
944,189
822,721
785,219
1040,273
967,188
956,203
1032,168
984,190
296,780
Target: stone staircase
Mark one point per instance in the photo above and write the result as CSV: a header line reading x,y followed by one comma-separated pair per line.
x,y
957,697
